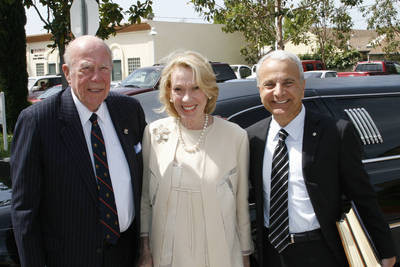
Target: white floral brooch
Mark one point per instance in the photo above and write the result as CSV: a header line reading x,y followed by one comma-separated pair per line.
x,y
161,134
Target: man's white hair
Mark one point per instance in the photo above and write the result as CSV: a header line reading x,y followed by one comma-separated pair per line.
x,y
72,44
280,55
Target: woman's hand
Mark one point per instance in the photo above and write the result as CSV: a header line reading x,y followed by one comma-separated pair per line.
x,y
388,262
246,261
145,259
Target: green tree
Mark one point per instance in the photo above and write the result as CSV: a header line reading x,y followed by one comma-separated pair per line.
x,y
13,74
263,23
57,19
250,18
383,16
331,26
272,23
343,60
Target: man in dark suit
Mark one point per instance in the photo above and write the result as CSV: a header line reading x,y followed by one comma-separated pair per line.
x,y
301,163
76,169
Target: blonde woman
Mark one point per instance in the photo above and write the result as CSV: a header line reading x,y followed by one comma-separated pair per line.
x,y
194,203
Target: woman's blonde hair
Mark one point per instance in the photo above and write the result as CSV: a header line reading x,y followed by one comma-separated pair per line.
x,y
202,73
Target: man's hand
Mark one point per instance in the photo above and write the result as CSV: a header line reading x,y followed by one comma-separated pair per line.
x,y
388,262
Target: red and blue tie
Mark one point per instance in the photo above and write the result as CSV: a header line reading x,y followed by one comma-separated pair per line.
x,y
108,209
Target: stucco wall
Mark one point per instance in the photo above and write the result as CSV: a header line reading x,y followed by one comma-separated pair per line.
x,y
208,39
131,45
38,52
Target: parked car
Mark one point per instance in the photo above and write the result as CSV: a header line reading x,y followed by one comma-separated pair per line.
x,y
47,93
369,68
253,72
147,78
320,74
37,85
8,248
309,65
140,80
241,71
254,69
114,83
371,103
34,83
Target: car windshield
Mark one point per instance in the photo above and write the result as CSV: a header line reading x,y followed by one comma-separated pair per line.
x,y
312,75
223,72
369,67
234,68
142,78
31,83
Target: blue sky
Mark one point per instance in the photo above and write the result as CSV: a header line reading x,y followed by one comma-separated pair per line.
x,y
170,10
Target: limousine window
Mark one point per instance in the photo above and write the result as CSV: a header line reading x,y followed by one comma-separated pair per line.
x,y
364,125
386,127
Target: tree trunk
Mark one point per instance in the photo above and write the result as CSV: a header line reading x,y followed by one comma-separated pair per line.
x,y
279,45
61,51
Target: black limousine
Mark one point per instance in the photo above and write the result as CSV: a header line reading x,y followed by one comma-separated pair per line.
x,y
371,103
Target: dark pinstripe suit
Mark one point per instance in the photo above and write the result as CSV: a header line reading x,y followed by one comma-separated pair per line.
x,y
54,202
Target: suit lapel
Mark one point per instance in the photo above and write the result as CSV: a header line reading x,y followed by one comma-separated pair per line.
x,y
311,137
258,146
74,138
258,136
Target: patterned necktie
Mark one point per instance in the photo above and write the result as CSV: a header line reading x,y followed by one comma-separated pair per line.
x,y
106,201
278,213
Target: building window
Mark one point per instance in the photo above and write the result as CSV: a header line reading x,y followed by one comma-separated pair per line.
x,y
39,69
133,64
116,71
52,68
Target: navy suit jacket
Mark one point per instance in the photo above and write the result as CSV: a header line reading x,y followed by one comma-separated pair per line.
x,y
54,200
332,168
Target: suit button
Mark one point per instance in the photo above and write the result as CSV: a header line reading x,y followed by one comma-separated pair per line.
x,y
99,250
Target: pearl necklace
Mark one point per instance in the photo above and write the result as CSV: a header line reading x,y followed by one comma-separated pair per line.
x,y
196,147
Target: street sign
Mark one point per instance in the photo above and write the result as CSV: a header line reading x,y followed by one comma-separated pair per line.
x,y
84,17
3,120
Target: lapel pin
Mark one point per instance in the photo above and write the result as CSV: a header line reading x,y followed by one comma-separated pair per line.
x,y
314,134
125,131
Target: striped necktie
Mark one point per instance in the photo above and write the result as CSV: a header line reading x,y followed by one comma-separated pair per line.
x,y
278,213
106,201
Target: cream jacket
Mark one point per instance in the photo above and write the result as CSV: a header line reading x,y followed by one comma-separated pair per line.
x,y
224,189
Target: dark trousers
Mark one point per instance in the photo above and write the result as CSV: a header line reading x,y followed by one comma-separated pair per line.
x,y
124,253
314,253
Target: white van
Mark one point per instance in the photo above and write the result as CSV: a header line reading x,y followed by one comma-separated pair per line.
x,y
34,83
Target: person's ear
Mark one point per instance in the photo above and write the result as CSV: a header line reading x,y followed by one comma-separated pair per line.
x,y
66,71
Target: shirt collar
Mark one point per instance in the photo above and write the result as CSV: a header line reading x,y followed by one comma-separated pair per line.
x,y
294,128
85,113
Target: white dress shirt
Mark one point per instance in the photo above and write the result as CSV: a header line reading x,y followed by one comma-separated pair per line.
x,y
117,163
302,217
